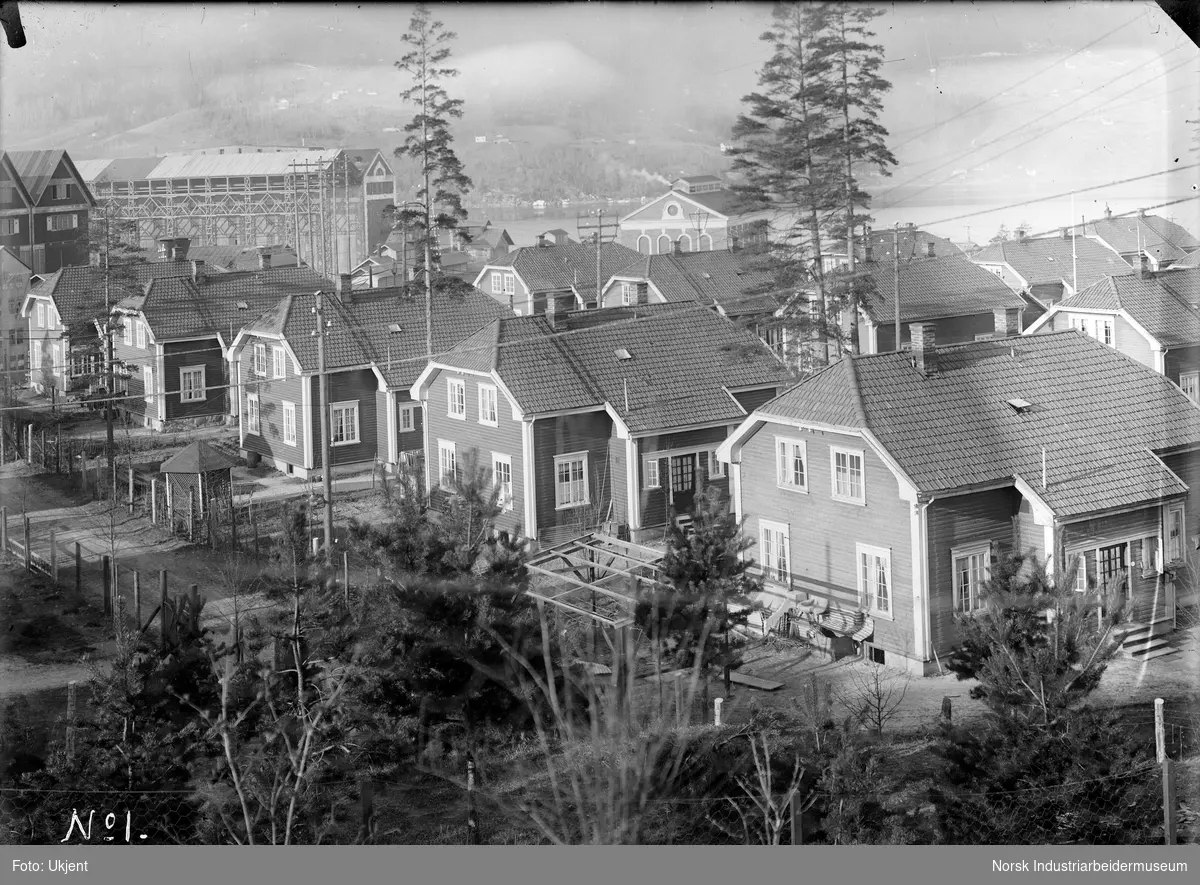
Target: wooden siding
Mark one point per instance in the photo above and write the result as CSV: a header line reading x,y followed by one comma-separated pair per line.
x,y
414,440
950,330
655,503
1133,343
1110,530
618,471
962,521
1186,466
381,424
752,399
1031,537
1180,360
472,439
357,385
591,432
272,392
183,354
823,533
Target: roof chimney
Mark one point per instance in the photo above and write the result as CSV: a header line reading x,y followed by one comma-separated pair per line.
x,y
1107,211
1141,213
929,249
197,271
345,288
541,240
1007,322
924,347
1066,233
552,313
1143,270
868,253
264,260
1020,234
677,246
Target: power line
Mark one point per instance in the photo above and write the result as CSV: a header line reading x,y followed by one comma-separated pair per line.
x,y
1043,233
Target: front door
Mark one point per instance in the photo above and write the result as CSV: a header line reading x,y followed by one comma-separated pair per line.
x,y
683,482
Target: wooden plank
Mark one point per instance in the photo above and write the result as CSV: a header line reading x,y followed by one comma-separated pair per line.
x,y
754,682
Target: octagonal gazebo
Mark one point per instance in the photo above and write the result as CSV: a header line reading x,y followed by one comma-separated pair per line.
x,y
198,480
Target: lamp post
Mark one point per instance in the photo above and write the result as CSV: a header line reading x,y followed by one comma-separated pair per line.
x,y
699,223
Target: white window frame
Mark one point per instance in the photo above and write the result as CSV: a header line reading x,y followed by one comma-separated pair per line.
x,y
1189,383
1171,554
497,283
628,294
1081,576
12,226
505,500
716,468
494,419
35,353
774,539
289,423
126,329
569,502
199,392
148,383
260,358
344,406
57,223
861,498
456,394
510,284
1105,333
141,334
868,595
973,601
447,457
407,419
785,454
653,480
56,359
278,362
41,315
253,415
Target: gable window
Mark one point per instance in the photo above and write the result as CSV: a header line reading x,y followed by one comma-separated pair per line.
x,y
278,364
502,477
289,423
571,480
972,567
343,423
126,330
191,384
791,460
1175,533
406,419
456,389
1190,384
41,315
60,191
716,469
148,383
774,544
497,283
141,334
875,579
652,480
487,405
847,475
628,293
447,464
252,424
260,358
510,284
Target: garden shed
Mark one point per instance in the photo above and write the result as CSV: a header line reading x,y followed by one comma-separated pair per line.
x,y
198,482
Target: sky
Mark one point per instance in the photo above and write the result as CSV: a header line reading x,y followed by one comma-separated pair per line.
x,y
992,103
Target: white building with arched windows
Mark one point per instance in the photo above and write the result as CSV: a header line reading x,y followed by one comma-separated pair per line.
x,y
698,214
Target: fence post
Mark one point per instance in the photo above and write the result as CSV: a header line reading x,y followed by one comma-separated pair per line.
x,y
946,711
154,502
78,569
4,530
29,444
57,451
3,443
254,526
717,702
346,576
232,522
131,490
1169,822
137,600
44,458
106,576
472,824
28,556
797,819
162,610
1160,743
71,719
678,700
53,557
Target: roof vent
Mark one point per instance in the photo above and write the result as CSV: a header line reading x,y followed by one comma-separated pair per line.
x,y
707,276
1020,405
623,354
394,328
242,305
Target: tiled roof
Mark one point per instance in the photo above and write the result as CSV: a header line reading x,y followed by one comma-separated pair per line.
x,y
681,360
914,243
205,165
723,202
1161,303
198,457
565,267
1163,239
933,288
739,282
1095,413
1190,261
78,291
1049,259
217,256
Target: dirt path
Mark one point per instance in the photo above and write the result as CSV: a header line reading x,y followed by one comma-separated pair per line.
x,y
18,676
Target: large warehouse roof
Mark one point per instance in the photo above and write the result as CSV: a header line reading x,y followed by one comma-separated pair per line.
x,y
201,165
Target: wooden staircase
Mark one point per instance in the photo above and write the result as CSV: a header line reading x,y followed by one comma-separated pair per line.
x,y
1145,640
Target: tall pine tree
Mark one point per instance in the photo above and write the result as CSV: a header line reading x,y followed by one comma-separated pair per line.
x,y
430,144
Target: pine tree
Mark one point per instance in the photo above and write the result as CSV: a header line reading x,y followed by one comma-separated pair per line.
x,y
430,144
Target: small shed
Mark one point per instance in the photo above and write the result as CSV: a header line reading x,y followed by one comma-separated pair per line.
x,y
199,474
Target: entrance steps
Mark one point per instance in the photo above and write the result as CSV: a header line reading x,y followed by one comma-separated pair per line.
x,y
1142,640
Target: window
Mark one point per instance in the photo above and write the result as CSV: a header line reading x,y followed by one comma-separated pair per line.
x,y
773,539
148,383
260,358
343,423
406,419
985,336
447,464
278,366
36,353
875,579
252,425
847,475
1112,563
289,423
652,480
628,293
457,398
56,357
126,330
1175,533
141,334
791,460
497,283
62,222
1104,331
41,315
570,480
1101,328
1081,573
510,284
487,405
61,191
191,384
683,473
502,477
715,468
972,567
1190,382
11,226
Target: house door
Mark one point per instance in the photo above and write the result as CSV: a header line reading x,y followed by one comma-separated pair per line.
x,y
683,482
1112,564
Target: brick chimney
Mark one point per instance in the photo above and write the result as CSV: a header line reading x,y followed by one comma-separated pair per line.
x,y
541,240
1143,270
868,253
264,260
1066,233
677,246
924,347
197,271
345,288
552,316
930,249
1020,235
1007,322
1107,211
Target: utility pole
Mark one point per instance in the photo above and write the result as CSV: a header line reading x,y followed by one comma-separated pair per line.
x,y
296,210
321,207
326,466
110,442
308,217
896,277
599,237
